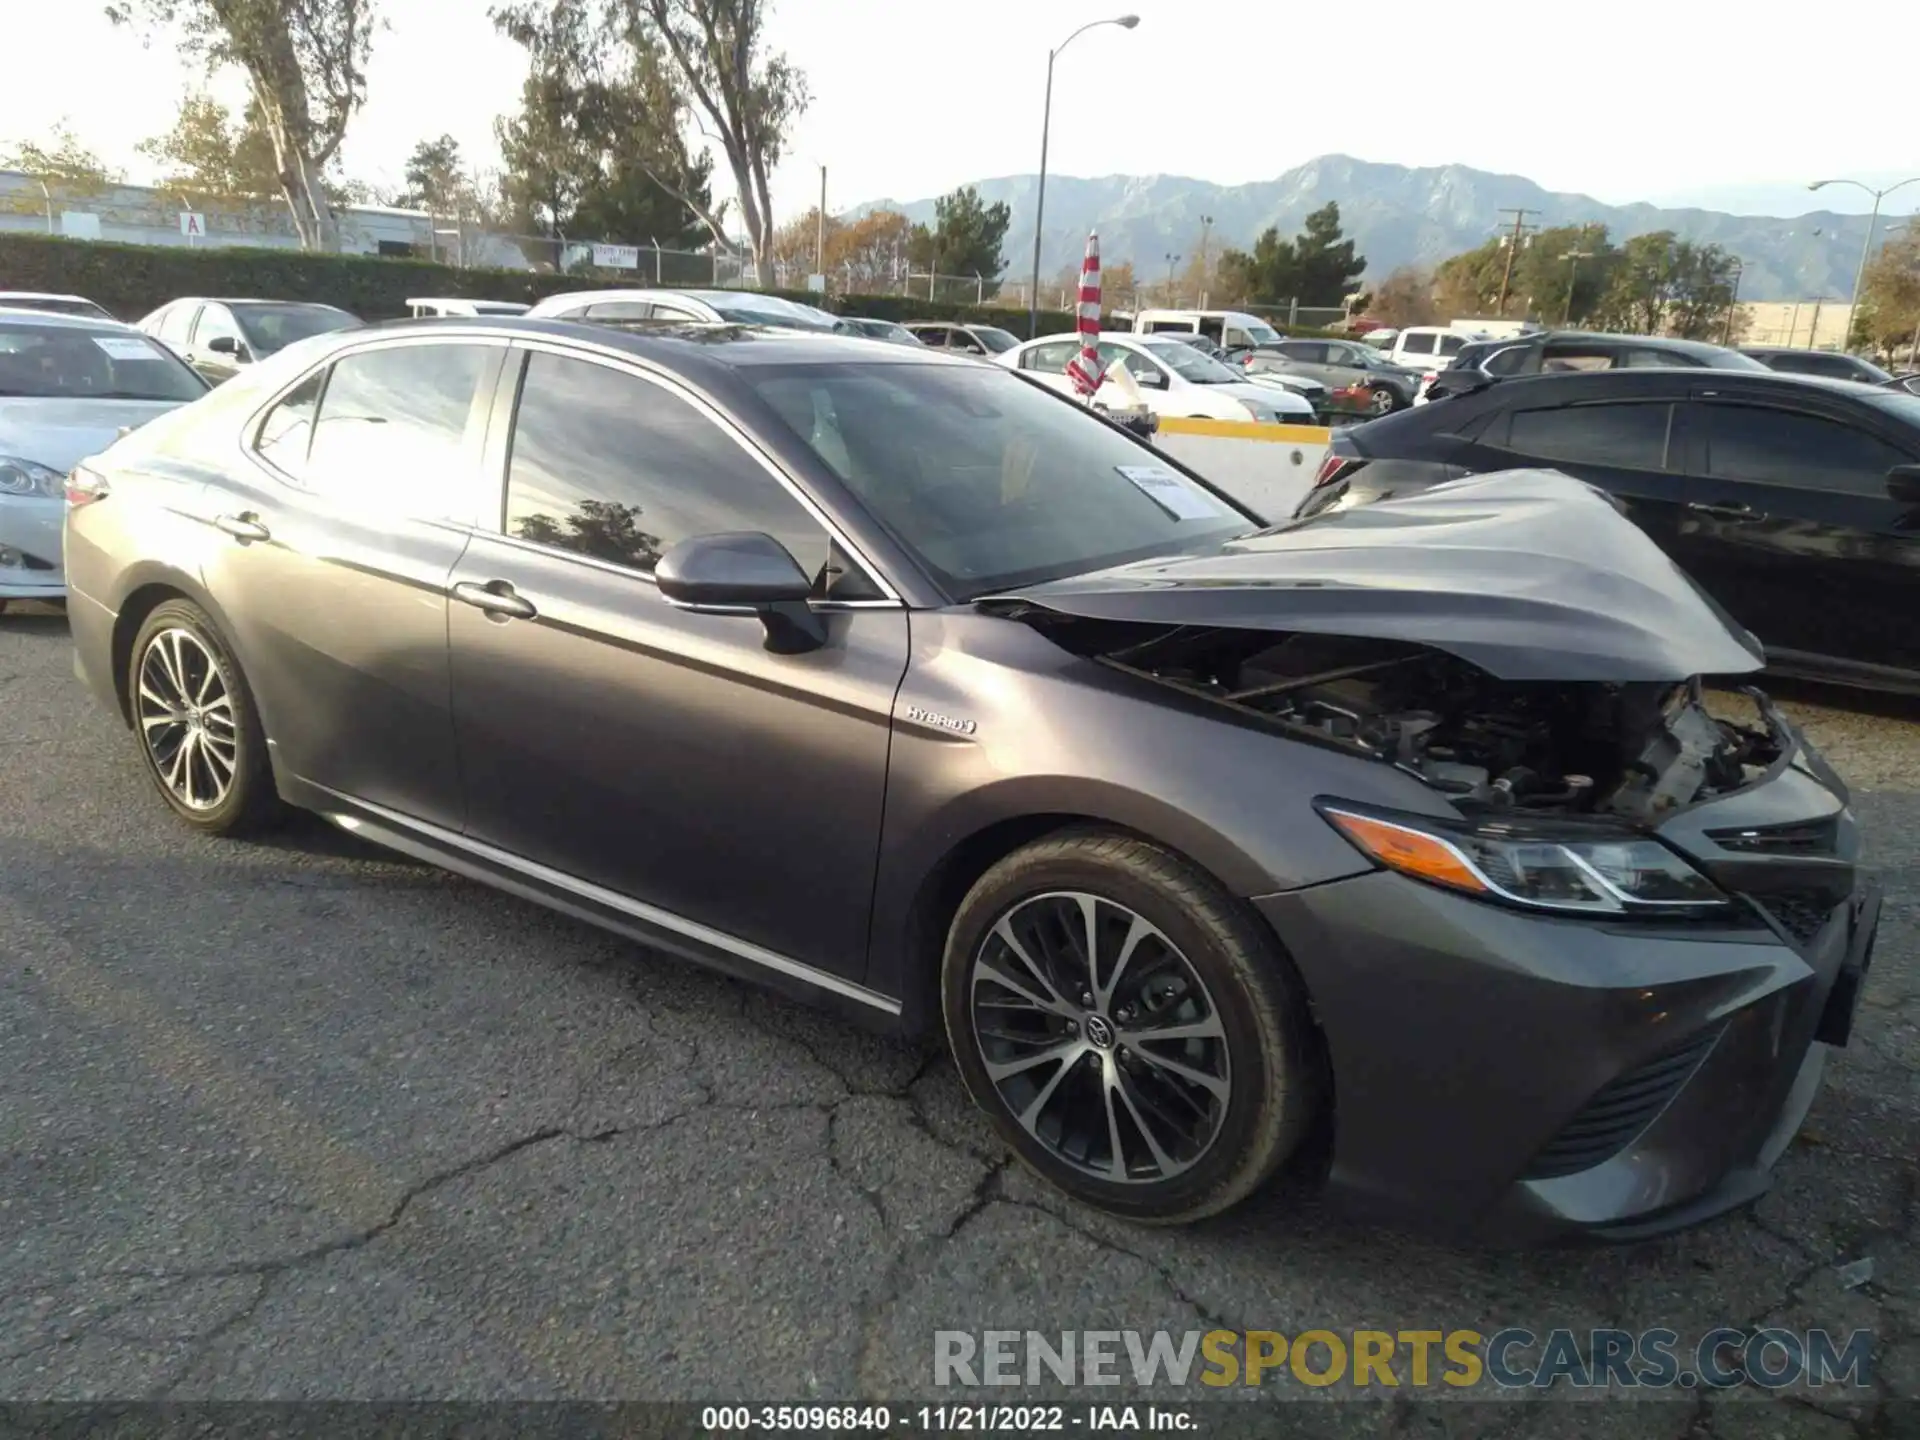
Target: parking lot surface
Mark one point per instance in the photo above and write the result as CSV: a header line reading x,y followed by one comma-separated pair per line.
x,y
304,1120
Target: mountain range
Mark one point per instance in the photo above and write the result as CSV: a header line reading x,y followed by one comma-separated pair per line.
x,y
1398,216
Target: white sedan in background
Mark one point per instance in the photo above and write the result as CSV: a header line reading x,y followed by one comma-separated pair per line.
x,y
1175,379
68,388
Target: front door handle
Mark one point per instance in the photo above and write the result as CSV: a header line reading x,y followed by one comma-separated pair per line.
x,y
1724,512
243,527
496,597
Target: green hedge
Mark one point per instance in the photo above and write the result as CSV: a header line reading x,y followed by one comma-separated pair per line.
x,y
134,280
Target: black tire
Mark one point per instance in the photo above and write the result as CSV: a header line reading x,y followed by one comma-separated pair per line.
x,y
1250,985
250,803
1382,401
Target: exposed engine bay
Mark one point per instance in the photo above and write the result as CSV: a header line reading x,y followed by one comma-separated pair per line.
x,y
1638,750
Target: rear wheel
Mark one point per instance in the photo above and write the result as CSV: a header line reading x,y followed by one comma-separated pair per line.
x,y
1380,401
196,722
1133,1035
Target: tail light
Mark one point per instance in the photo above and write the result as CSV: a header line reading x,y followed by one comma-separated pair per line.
x,y
1428,378
1335,468
85,486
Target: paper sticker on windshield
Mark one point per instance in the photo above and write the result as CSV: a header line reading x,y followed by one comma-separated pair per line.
x,y
124,347
1171,493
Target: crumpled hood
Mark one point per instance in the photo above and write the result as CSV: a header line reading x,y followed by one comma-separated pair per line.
x,y
1525,573
61,433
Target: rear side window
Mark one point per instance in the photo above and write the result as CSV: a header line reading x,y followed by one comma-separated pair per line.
x,y
1626,436
1452,344
391,428
1306,351
1051,358
611,466
1416,344
1784,447
285,433
620,310
176,324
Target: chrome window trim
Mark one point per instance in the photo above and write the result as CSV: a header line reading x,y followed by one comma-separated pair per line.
x,y
613,900
626,363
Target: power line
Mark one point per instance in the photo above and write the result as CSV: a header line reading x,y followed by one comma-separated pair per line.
x,y
1521,228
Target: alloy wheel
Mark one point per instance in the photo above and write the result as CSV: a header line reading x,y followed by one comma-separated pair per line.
x,y
1381,402
1100,1037
187,719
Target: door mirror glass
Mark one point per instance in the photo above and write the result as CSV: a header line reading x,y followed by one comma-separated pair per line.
x,y
1148,376
743,571
1903,484
224,345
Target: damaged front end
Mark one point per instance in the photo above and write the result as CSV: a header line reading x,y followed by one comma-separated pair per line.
x,y
1637,750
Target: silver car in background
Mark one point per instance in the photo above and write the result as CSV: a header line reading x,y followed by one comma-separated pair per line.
x,y
69,387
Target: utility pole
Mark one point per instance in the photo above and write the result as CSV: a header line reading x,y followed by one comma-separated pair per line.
x,y
820,240
1573,259
1172,260
1733,301
1520,228
1206,226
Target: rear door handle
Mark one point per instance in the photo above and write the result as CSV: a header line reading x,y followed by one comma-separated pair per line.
x,y
243,527
496,597
1724,512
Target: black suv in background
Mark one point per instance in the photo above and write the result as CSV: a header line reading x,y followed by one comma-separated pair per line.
x,y
1794,502
1555,351
1827,364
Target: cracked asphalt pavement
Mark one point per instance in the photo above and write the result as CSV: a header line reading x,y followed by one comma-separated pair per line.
x,y
304,1120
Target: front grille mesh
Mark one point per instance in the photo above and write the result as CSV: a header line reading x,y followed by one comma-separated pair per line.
x,y
1619,1111
1801,913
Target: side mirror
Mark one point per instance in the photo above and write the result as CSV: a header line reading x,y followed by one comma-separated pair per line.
x,y
1148,379
744,572
224,345
1903,484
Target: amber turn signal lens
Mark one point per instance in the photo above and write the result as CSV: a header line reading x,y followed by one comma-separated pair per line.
x,y
1408,851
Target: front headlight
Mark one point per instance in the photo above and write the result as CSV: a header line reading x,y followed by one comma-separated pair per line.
x,y
1581,874
26,477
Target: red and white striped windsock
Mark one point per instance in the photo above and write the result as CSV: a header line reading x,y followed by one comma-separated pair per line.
x,y
1084,367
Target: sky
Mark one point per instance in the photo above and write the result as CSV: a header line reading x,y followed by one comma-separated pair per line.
x,y
1672,101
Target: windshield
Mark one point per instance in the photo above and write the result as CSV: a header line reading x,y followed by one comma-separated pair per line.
x,y
1189,363
71,363
996,340
990,480
271,328
54,305
749,309
1260,334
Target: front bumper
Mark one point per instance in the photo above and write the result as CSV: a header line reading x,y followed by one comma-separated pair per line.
x,y
30,527
1515,1079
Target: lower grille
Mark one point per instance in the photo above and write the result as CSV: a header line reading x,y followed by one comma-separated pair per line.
x,y
1619,1111
1801,913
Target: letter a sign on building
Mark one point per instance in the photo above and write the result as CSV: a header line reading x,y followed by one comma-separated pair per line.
x,y
193,226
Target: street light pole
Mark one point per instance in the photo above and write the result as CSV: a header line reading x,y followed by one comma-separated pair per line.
x,y
1125,22
1866,248
1172,298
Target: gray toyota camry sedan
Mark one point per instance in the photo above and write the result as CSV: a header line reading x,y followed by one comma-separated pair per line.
x,y
906,686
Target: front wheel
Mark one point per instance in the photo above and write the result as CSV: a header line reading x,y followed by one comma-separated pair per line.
x,y
1133,1035
1381,401
198,730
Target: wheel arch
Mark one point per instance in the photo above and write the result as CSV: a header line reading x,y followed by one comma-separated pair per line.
x,y
147,589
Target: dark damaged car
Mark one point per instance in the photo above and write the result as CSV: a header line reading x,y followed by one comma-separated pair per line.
x,y
1403,837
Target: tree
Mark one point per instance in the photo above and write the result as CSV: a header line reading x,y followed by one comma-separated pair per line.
x,y
714,52
965,239
1544,273
207,154
306,63
605,529
598,146
1316,267
870,253
1404,298
62,159
1888,315
1662,284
